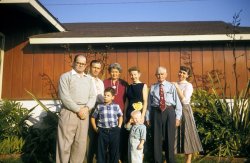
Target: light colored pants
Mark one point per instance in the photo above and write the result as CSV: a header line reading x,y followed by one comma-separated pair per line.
x,y
134,155
71,137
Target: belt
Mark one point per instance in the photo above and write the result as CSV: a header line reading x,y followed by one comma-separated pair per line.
x,y
108,129
80,104
167,107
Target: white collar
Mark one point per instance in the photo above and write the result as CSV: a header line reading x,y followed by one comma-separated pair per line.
x,y
73,72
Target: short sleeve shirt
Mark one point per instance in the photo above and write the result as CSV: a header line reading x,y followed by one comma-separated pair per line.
x,y
107,115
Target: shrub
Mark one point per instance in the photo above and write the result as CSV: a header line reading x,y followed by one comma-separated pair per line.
x,y
13,126
40,143
11,145
224,128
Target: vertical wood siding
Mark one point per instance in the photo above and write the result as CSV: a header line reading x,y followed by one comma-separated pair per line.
x,y
248,61
36,69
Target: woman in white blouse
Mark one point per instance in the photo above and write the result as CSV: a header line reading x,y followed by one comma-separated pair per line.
x,y
187,139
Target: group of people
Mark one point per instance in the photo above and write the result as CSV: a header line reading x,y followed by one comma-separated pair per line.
x,y
119,112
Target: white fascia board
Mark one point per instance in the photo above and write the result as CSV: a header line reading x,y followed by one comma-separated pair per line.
x,y
40,9
77,40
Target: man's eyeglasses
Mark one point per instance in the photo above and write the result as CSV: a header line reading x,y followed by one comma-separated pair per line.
x,y
80,64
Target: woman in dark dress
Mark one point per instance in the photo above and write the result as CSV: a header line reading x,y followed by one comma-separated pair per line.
x,y
137,94
137,99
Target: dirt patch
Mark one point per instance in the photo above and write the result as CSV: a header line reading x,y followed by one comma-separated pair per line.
x,y
7,156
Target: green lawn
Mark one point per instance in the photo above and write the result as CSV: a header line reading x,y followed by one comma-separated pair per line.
x,y
179,159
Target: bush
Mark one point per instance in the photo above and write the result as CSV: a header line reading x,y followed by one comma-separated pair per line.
x,y
11,145
224,129
40,143
13,118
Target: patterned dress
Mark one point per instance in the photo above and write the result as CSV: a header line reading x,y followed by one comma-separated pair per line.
x,y
187,138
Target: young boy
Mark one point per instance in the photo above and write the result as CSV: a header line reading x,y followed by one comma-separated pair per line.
x,y
109,120
137,137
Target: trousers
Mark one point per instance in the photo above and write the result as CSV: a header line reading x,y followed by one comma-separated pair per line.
x,y
164,126
71,137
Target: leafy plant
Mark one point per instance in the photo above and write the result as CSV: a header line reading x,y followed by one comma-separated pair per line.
x,y
40,143
224,128
11,144
13,120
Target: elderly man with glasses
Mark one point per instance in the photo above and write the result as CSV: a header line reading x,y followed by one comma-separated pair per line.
x,y
78,96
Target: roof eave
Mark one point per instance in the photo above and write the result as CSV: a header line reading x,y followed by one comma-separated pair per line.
x,y
39,7
134,39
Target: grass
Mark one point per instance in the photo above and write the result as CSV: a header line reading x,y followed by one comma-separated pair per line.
x,y
179,159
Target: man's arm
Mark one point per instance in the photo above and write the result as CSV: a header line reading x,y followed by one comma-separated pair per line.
x,y
148,108
178,107
92,95
64,95
83,112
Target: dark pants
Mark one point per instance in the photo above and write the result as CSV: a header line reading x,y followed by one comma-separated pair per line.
x,y
92,145
163,124
124,136
108,141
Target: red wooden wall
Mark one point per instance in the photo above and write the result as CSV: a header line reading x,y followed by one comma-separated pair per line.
x,y
25,64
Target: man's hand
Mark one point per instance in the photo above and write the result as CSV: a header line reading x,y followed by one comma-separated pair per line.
x,y
83,112
177,122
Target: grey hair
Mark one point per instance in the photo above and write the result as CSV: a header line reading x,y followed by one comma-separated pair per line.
x,y
115,66
161,68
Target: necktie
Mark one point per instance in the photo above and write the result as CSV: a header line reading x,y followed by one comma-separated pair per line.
x,y
162,99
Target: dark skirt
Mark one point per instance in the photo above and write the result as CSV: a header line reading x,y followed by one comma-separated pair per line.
x,y
187,139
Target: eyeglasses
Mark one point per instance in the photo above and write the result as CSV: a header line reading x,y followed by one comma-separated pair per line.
x,y
80,64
